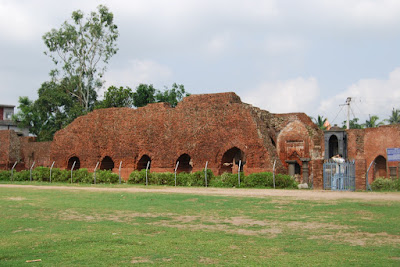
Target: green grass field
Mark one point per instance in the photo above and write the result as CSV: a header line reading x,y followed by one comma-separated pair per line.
x,y
75,228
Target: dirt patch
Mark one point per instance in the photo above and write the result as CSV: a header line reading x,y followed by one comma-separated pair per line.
x,y
16,198
261,193
204,260
24,230
192,199
361,238
140,260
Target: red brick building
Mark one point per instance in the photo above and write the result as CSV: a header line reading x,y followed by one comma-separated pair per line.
x,y
214,128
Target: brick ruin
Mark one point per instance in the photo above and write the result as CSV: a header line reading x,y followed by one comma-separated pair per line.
x,y
214,128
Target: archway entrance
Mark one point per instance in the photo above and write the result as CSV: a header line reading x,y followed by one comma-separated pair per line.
x,y
380,167
333,146
107,164
71,162
185,164
231,158
142,163
297,168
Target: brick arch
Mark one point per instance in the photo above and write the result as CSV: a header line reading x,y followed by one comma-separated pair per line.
x,y
142,163
185,163
107,163
380,169
230,159
71,160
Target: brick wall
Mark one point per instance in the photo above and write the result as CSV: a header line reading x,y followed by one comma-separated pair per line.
x,y
367,144
202,126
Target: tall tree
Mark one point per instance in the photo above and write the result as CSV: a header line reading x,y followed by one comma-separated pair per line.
x,y
320,122
53,110
173,95
372,122
83,49
395,117
144,95
116,97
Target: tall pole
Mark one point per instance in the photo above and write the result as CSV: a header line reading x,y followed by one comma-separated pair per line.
x,y
348,100
176,168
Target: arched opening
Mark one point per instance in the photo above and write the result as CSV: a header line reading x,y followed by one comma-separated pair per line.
x,y
107,164
333,146
297,168
380,167
185,164
142,163
231,158
71,163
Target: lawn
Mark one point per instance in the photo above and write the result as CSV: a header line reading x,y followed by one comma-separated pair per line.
x,y
75,228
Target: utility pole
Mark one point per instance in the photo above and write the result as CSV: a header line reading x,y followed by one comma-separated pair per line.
x,y
348,100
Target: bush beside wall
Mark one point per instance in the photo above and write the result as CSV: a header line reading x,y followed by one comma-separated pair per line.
x,y
254,180
384,184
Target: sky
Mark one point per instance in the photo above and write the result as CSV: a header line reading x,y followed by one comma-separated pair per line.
x,y
280,55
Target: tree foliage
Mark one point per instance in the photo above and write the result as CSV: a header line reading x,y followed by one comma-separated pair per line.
x,y
353,124
117,97
320,122
83,49
394,117
145,94
53,110
173,95
372,122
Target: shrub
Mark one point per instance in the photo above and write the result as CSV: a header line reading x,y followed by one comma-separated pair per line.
x,y
164,178
22,176
41,174
5,175
397,184
262,179
226,180
139,177
58,175
106,177
198,178
383,184
81,176
285,181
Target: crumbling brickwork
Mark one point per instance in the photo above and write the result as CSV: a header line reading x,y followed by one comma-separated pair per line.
x,y
205,127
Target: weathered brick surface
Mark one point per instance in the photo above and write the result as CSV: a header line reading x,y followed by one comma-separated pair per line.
x,y
202,126
32,151
9,149
368,144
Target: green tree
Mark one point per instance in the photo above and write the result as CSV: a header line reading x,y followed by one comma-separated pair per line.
x,y
144,95
173,95
116,97
320,121
395,117
83,49
53,110
353,124
372,122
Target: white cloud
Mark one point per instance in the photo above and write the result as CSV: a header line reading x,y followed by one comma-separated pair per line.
x,y
218,44
278,45
297,95
139,71
370,97
16,22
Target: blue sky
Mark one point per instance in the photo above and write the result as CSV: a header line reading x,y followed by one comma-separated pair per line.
x,y
280,55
